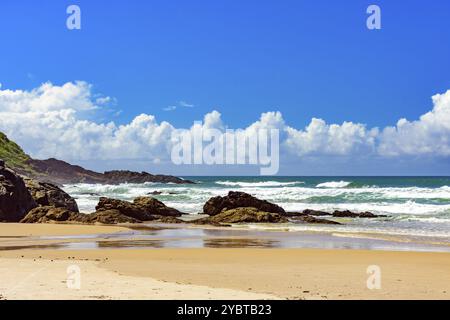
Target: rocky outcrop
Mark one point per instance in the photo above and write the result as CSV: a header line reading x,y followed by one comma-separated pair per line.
x,y
169,220
61,172
319,213
47,214
155,207
119,176
312,220
47,194
110,217
142,208
350,214
243,215
124,207
236,199
15,199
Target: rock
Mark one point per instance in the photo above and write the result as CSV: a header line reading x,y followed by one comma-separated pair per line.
x,y
111,217
349,214
46,214
243,215
155,207
121,176
15,199
235,199
47,194
310,212
311,219
154,193
2,164
124,207
169,219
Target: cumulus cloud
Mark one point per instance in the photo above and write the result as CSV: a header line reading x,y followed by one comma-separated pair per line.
x,y
430,135
48,122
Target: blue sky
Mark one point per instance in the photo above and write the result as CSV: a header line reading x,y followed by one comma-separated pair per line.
x,y
304,59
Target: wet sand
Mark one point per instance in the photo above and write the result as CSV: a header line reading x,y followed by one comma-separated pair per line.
x,y
269,273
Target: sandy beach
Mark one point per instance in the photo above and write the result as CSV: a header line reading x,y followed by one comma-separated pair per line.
x,y
211,273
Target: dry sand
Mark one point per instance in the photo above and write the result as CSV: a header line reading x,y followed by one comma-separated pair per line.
x,y
220,273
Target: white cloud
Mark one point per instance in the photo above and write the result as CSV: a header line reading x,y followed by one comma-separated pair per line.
x,y
185,104
48,122
430,135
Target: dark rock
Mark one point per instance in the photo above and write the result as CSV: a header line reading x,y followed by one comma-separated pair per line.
x,y
311,219
121,176
15,199
155,207
47,194
242,215
154,193
124,207
2,164
310,212
61,172
350,214
236,199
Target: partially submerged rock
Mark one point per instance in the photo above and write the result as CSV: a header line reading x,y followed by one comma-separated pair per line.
x,y
313,220
319,213
47,194
243,215
15,199
350,214
236,199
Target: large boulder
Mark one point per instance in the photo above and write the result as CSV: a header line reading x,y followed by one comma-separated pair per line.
x,y
111,217
242,215
47,194
15,199
236,199
124,207
47,214
155,207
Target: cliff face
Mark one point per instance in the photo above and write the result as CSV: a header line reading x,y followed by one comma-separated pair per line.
x,y
61,172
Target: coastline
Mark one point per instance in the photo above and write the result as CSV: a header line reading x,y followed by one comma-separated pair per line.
x,y
216,273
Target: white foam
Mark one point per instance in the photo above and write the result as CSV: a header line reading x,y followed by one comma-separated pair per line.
x,y
258,184
333,184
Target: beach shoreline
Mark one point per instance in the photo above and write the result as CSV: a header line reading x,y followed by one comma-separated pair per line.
x,y
215,273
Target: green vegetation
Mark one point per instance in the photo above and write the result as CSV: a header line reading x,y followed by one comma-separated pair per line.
x,y
13,155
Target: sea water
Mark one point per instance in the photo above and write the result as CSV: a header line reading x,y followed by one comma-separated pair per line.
x,y
416,206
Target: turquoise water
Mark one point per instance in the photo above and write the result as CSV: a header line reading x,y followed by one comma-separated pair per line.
x,y
416,206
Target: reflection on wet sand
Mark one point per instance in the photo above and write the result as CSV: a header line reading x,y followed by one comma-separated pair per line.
x,y
240,243
181,236
120,244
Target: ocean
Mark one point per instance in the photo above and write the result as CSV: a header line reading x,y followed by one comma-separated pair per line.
x,y
416,206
